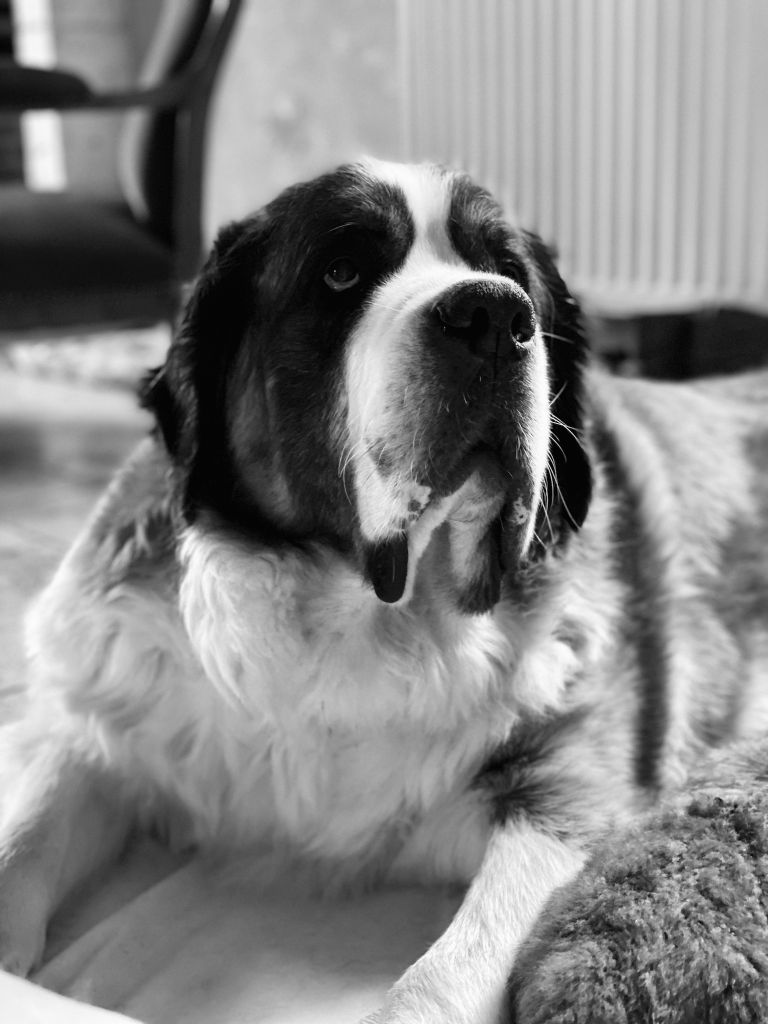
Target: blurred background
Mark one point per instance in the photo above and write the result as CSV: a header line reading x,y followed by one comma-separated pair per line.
x,y
631,134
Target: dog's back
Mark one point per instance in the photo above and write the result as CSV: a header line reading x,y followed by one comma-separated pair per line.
x,y
689,463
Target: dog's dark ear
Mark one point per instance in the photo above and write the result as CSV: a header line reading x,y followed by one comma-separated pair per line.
x,y
186,394
569,491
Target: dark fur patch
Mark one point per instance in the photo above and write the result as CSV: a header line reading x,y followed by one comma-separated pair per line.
x,y
187,394
520,779
646,618
263,288
484,591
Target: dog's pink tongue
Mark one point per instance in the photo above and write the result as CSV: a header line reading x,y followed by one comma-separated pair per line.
x,y
388,568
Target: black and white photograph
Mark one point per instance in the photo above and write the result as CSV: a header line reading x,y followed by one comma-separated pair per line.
x,y
384,511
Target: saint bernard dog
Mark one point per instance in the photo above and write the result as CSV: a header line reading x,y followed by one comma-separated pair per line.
x,y
400,587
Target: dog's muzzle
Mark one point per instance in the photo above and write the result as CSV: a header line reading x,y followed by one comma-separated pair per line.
x,y
448,448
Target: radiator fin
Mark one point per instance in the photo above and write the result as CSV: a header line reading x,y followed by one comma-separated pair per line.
x,y
631,134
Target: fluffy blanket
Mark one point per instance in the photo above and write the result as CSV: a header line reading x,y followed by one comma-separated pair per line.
x,y
668,923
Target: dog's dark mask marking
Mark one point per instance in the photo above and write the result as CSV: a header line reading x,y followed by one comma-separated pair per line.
x,y
262,298
247,401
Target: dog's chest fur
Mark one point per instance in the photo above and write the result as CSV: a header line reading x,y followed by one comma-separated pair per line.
x,y
372,721
277,700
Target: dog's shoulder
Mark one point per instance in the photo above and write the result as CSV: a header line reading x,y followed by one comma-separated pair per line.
x,y
694,449
120,568
132,525
133,520
685,465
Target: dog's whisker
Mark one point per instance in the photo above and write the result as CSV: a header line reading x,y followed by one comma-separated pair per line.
x,y
574,432
338,227
557,337
556,397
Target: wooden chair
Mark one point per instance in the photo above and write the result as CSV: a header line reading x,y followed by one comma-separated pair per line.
x,y
69,260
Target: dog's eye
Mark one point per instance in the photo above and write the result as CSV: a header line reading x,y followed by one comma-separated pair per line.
x,y
513,270
341,274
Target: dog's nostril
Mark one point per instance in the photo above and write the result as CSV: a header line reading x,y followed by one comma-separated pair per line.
x,y
479,325
521,326
492,323
467,322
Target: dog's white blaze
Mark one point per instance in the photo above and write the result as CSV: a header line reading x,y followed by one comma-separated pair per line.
x,y
428,194
381,343
377,375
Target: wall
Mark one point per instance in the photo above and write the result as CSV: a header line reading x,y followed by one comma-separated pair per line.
x,y
308,83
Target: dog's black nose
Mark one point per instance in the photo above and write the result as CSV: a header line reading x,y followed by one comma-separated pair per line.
x,y
492,320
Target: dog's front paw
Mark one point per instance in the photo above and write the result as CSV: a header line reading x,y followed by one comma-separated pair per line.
x,y
432,1005
385,1016
410,1012
426,1012
23,922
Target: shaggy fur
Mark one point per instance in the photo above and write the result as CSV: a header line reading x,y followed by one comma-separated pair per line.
x,y
668,923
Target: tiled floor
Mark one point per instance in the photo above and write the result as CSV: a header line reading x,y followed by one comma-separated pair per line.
x,y
58,446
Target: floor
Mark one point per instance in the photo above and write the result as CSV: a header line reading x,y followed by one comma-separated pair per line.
x,y
59,443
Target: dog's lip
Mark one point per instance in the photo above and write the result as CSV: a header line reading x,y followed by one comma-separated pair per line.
x,y
483,463
471,498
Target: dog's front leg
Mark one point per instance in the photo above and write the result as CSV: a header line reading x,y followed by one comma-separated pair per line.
x,y
461,979
60,819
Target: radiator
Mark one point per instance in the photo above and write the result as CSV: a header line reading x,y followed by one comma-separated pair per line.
x,y
631,134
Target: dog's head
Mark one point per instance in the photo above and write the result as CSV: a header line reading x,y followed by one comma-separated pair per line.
x,y
377,361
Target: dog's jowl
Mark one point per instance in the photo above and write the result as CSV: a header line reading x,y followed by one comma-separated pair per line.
x,y
399,587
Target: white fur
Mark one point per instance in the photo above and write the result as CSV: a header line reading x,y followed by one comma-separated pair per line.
x,y
462,976
331,719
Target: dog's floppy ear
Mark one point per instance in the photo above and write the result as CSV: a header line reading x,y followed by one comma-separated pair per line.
x,y
569,491
186,394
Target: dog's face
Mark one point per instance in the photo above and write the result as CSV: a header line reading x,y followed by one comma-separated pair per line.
x,y
377,360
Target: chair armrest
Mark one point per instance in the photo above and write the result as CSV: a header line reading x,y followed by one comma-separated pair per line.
x,y
26,88
170,93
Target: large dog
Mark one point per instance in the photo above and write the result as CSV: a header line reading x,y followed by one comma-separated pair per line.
x,y
400,587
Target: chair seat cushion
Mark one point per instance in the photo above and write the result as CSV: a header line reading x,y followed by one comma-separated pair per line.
x,y
68,260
